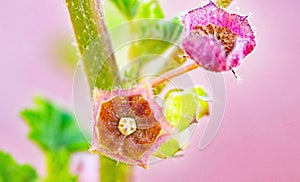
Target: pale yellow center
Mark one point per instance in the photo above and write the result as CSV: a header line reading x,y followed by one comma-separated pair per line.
x,y
127,126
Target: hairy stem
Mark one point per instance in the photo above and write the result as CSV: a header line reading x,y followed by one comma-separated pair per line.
x,y
93,43
99,64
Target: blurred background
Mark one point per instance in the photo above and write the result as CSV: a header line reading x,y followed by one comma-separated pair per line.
x,y
258,139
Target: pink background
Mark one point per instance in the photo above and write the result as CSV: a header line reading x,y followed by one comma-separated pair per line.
x,y
258,140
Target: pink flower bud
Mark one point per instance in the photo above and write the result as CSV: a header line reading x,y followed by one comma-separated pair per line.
x,y
216,39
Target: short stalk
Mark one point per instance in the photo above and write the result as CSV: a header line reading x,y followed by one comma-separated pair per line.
x,y
173,73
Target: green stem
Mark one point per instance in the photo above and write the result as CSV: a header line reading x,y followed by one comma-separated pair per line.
x,y
93,43
99,64
58,167
113,171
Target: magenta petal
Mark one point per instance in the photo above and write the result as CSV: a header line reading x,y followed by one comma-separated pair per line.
x,y
206,51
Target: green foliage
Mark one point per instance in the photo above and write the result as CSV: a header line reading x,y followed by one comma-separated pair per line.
x,y
139,8
149,10
128,8
55,131
113,15
13,172
155,36
53,128
182,108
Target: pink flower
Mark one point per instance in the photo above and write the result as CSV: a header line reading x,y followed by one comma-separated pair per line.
x,y
129,124
216,39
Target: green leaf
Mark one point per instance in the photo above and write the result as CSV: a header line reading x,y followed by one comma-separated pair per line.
x,y
154,34
155,37
56,132
168,149
158,31
133,9
53,128
113,16
13,172
150,10
182,108
128,8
